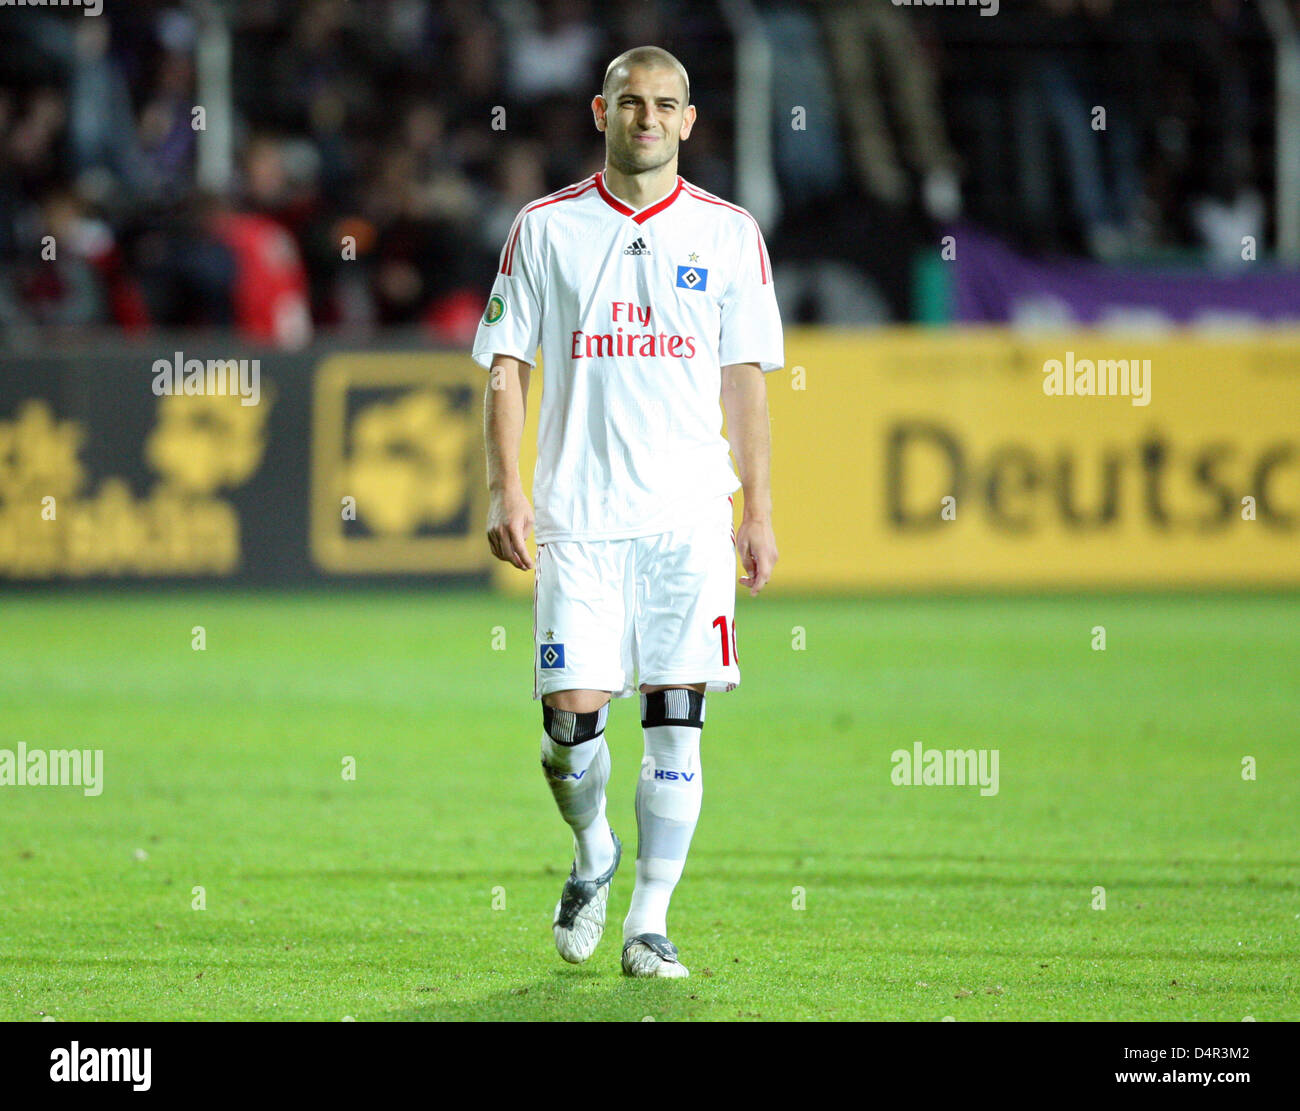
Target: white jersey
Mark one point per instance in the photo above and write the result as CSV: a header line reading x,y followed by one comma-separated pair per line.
x,y
636,313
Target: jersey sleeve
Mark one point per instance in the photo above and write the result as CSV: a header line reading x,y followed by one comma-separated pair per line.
x,y
512,320
751,323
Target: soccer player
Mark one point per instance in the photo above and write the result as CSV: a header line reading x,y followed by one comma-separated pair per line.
x,y
652,302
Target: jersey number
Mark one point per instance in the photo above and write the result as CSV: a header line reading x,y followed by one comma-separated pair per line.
x,y
729,652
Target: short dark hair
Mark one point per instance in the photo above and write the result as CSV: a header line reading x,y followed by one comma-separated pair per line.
x,y
651,56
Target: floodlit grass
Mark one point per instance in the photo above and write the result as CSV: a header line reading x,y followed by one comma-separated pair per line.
x,y
423,889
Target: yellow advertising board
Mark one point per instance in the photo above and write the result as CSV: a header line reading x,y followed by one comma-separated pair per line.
x,y
58,520
914,459
397,466
902,459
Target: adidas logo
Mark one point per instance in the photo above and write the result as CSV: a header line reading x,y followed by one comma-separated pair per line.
x,y
637,247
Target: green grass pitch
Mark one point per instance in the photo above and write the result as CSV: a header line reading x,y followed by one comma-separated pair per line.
x,y
423,889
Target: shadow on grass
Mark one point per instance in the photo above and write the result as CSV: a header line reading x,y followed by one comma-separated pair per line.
x,y
407,875
568,995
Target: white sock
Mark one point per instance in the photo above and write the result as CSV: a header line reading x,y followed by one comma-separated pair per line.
x,y
668,795
575,761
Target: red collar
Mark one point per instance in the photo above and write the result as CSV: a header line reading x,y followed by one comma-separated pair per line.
x,y
645,214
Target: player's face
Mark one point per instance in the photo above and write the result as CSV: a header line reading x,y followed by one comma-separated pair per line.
x,y
644,119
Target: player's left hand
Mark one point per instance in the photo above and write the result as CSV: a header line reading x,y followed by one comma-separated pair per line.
x,y
756,547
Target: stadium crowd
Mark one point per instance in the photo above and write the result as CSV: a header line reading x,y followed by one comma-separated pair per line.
x,y
383,146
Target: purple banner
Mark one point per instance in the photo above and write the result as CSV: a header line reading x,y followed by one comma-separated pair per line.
x,y
994,285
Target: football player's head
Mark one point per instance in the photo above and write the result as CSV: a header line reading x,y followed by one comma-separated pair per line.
x,y
644,109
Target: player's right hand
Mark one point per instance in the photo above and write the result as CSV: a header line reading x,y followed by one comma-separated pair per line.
x,y
510,520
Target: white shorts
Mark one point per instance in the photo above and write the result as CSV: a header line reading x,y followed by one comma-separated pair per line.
x,y
660,608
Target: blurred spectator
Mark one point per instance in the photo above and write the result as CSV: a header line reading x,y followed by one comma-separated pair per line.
x,y
269,292
809,158
1071,103
551,46
874,48
166,131
475,58
187,273
33,145
821,268
518,181
1202,171
102,129
63,288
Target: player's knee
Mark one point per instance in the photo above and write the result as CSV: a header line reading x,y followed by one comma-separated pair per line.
x,y
567,729
674,706
576,701
571,742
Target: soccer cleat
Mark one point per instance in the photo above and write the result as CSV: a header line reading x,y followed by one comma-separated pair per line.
x,y
652,955
580,913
